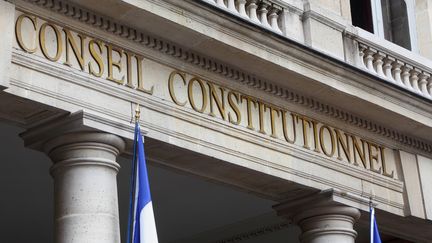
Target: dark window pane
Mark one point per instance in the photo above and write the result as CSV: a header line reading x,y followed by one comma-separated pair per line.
x,y
361,14
395,22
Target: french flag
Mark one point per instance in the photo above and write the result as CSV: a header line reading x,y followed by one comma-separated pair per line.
x,y
141,215
374,233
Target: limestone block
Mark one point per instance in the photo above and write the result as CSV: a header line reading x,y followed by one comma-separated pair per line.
x,y
332,5
345,9
412,184
424,28
381,193
351,51
7,13
425,170
292,25
323,37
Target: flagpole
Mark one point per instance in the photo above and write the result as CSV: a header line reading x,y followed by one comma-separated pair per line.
x,y
371,212
374,232
141,225
133,179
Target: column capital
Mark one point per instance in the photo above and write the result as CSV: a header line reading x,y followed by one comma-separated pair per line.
x,y
330,197
321,217
84,148
78,123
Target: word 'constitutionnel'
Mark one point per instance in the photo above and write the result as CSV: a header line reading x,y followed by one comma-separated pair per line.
x,y
265,118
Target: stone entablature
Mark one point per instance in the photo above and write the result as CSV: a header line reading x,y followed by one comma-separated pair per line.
x,y
104,60
208,64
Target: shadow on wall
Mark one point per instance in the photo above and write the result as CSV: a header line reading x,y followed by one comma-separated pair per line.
x,y
185,206
26,189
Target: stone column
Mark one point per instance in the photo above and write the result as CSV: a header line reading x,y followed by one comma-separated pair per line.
x,y
84,171
328,224
321,219
85,186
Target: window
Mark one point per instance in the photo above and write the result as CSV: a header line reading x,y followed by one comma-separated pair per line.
x,y
392,20
361,15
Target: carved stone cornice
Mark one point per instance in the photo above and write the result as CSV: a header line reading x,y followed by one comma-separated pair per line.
x,y
215,66
81,121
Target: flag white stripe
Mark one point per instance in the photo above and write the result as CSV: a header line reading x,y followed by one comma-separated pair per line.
x,y
147,223
135,201
144,226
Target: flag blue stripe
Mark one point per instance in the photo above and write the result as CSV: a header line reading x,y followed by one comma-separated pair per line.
x,y
144,197
142,217
374,233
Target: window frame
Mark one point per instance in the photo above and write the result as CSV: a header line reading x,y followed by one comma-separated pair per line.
x,y
378,26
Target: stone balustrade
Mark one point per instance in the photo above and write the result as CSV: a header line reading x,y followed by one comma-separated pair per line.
x,y
400,72
372,54
261,12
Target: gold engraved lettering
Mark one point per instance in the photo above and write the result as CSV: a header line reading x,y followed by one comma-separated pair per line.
x,y
75,42
285,127
373,157
97,57
273,112
18,32
42,40
315,135
129,56
171,86
249,102
112,63
305,125
322,141
344,144
360,151
203,94
234,107
139,60
261,117
220,103
384,165
79,54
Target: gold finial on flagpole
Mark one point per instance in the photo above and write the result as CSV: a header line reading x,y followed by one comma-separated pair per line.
x,y
137,112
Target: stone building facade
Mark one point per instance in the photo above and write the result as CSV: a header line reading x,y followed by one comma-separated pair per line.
x,y
297,114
